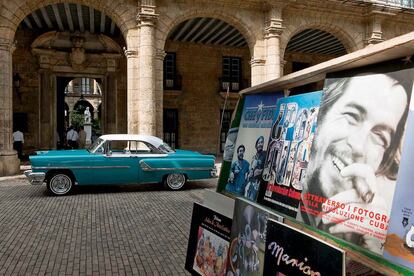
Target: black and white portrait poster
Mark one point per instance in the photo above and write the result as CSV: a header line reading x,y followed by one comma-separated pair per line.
x,y
292,252
208,244
355,156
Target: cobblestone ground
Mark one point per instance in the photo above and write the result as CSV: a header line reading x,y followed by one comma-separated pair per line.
x,y
139,230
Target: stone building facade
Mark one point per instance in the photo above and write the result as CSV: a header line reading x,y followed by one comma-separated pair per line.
x,y
124,45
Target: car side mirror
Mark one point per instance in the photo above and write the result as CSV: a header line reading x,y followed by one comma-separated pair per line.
x,y
109,153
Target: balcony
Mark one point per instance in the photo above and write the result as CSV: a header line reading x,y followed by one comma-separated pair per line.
x,y
232,86
173,84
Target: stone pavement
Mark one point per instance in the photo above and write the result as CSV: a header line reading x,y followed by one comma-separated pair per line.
x,y
117,230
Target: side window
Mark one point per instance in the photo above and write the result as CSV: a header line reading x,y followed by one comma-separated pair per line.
x,y
118,147
139,147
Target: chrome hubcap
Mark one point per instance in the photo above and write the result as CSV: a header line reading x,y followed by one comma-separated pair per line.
x,y
175,181
60,184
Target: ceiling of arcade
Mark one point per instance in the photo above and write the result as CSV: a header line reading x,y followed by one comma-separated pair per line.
x,y
95,16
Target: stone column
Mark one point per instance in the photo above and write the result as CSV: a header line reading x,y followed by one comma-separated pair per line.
x,y
9,163
159,92
273,31
111,93
46,109
110,103
257,66
147,119
132,81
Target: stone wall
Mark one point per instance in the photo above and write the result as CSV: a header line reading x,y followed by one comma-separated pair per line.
x,y
199,101
26,64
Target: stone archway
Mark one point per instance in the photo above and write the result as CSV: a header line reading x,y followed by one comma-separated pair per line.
x,y
239,23
205,43
14,12
345,38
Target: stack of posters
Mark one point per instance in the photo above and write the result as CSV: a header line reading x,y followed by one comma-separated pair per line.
x,y
292,252
208,244
248,237
353,167
288,151
250,149
399,246
346,185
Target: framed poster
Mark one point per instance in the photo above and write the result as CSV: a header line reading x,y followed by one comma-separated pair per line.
x,y
292,252
208,244
250,149
248,237
288,152
355,157
399,246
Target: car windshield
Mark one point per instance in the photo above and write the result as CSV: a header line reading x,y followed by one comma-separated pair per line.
x,y
165,148
95,145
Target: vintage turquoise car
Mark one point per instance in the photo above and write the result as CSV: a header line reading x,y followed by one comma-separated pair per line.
x,y
119,159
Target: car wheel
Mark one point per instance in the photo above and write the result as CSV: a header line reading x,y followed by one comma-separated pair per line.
x,y
174,181
60,184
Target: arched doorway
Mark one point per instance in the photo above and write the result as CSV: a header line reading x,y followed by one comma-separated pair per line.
x,y
59,43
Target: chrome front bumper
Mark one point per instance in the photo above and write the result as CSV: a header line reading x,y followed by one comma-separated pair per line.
x,y
35,178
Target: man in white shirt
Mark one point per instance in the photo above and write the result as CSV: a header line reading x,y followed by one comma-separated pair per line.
x,y
72,138
18,141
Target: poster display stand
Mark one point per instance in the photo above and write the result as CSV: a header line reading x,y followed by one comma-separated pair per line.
x,y
350,176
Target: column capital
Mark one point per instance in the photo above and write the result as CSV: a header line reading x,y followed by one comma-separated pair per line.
x,y
375,18
274,20
257,62
160,54
7,44
147,16
130,53
274,28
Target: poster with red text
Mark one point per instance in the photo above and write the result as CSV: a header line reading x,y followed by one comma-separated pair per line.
x,y
288,152
353,168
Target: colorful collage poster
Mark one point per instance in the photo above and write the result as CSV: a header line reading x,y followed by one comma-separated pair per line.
x,y
248,237
208,244
399,246
288,152
250,149
355,157
292,252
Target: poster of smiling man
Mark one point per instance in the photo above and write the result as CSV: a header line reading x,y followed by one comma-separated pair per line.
x,y
355,157
250,149
288,151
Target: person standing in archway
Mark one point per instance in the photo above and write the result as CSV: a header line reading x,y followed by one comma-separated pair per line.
x,y
72,138
18,141
81,138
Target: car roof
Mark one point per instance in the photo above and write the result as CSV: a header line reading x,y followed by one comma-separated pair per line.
x,y
155,141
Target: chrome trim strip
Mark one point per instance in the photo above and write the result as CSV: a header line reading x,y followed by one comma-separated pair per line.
x,y
82,167
148,168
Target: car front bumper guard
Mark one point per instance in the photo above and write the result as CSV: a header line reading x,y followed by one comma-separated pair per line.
x,y
35,178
